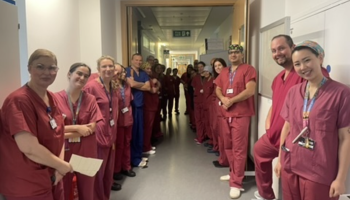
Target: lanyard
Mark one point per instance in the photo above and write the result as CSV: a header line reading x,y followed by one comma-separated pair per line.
x,y
122,92
307,110
75,115
109,96
48,111
232,76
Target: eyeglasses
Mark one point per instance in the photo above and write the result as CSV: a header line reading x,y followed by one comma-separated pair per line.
x,y
108,66
234,52
52,69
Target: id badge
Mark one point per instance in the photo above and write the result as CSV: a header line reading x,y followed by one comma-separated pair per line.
x,y
74,140
229,91
307,143
53,123
201,91
111,122
125,110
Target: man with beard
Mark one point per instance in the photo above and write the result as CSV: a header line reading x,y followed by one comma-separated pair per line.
x,y
236,88
267,147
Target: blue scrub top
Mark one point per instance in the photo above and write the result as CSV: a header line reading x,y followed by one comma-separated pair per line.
x,y
138,94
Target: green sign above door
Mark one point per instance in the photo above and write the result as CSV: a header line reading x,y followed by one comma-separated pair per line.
x,y
182,33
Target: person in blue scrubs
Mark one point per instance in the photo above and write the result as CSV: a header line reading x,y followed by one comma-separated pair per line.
x,y
139,82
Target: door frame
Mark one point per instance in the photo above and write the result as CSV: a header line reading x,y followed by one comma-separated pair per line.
x,y
198,3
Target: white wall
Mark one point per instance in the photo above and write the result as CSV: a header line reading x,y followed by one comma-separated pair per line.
x,y
54,25
108,28
9,50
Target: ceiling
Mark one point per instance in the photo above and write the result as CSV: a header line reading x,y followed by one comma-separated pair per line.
x,y
202,22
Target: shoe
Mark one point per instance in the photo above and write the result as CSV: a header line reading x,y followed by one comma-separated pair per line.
x,y
235,193
177,112
210,146
206,145
144,159
142,164
218,165
210,151
217,153
129,173
225,178
116,187
257,196
151,152
117,176
153,148
186,113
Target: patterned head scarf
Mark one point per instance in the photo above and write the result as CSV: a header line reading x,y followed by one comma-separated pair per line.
x,y
314,46
235,47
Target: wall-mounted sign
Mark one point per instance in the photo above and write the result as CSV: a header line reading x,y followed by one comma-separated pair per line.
x,y
166,51
182,33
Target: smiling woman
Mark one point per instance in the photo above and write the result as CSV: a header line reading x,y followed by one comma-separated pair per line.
x,y
33,131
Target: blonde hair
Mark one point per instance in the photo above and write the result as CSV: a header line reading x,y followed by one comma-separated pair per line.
x,y
105,58
145,65
41,53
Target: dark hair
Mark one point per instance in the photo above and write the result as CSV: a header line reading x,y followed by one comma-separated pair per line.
x,y
202,63
288,39
79,64
220,60
135,54
175,69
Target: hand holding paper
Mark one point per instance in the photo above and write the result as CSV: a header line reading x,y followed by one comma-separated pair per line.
x,y
86,166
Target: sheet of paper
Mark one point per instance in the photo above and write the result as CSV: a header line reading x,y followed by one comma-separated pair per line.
x,y
86,166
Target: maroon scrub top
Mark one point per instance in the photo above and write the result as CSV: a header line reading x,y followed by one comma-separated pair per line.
x,y
177,82
208,88
280,90
125,119
88,113
244,74
169,85
151,100
24,110
329,113
197,84
105,133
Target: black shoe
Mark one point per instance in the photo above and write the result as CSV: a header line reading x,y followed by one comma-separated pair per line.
x,y
217,153
210,151
116,187
117,176
217,164
129,173
186,113
177,112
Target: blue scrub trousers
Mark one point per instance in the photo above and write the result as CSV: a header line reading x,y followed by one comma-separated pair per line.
x,y
137,136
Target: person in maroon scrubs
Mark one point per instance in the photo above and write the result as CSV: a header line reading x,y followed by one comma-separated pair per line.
x,y
169,86
235,89
266,148
217,116
208,87
125,121
32,136
185,78
80,112
315,139
156,130
151,101
106,130
197,84
177,82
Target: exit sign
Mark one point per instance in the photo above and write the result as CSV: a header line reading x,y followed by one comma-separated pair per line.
x,y
182,33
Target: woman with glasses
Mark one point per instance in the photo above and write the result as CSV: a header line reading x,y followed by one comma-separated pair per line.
x,y
81,113
32,135
106,130
125,121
